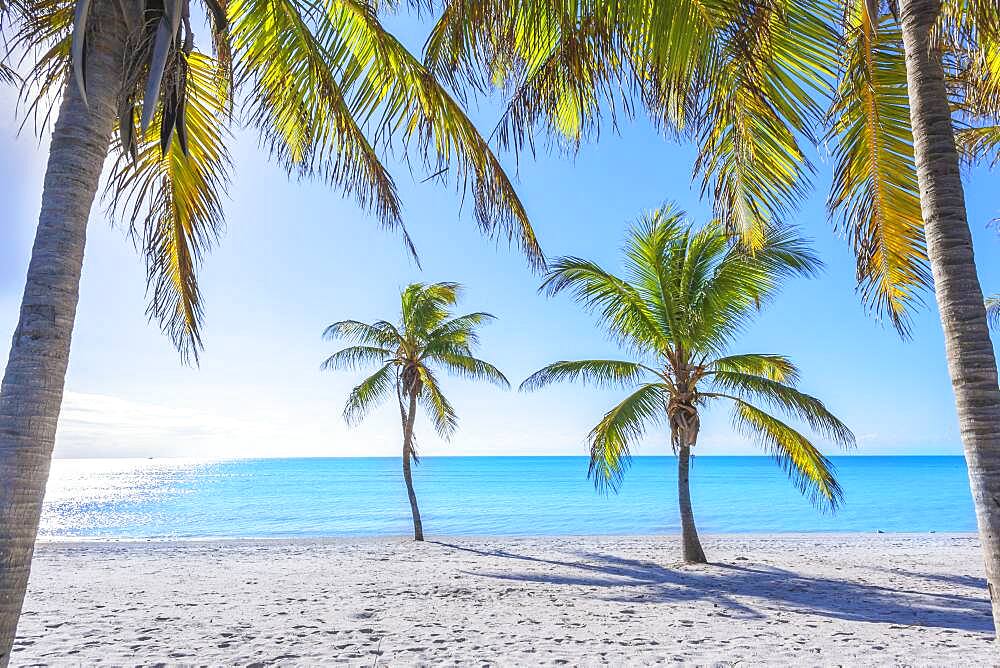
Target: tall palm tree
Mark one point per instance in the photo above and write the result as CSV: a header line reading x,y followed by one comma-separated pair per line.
x,y
327,87
745,79
426,338
685,296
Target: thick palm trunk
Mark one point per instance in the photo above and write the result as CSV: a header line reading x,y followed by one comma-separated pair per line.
x,y
971,362
32,388
409,419
693,553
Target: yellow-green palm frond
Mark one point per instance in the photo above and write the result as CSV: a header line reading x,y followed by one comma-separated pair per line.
x,y
457,332
993,311
42,28
426,306
773,367
775,59
440,411
392,90
298,99
806,466
355,357
380,334
611,441
370,393
618,304
469,367
599,373
175,199
875,189
786,398
980,143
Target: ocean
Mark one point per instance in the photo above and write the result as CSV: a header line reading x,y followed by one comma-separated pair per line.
x,y
509,496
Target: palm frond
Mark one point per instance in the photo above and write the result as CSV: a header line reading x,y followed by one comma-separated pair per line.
x,y
612,439
807,468
357,356
470,367
369,394
381,334
875,191
788,399
773,367
600,373
437,406
175,199
993,311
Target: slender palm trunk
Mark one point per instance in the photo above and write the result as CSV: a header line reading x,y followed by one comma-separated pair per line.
x,y
693,553
32,388
408,420
971,362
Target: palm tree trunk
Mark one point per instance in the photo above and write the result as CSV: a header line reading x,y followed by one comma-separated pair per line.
x,y
409,419
32,389
971,361
693,553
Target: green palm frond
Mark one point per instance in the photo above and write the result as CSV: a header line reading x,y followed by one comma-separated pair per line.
x,y
460,331
393,90
790,400
600,373
381,334
357,356
773,367
619,305
471,368
426,306
875,189
369,394
612,439
993,311
806,466
436,405
175,199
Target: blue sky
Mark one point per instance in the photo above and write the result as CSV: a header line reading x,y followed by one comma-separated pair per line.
x,y
297,256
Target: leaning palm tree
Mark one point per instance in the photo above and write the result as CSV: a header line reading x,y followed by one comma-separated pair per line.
x,y
685,296
407,354
747,80
330,92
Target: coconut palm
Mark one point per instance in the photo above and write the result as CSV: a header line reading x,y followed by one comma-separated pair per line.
x,y
408,355
330,92
684,297
744,79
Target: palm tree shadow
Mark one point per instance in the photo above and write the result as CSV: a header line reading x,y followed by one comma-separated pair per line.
x,y
733,588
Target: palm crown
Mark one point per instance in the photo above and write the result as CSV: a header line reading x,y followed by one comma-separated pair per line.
x,y
327,87
427,338
747,81
684,296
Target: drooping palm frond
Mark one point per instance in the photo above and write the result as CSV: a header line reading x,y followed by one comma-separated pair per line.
x,y
806,466
993,311
380,334
773,367
355,357
173,202
807,408
611,441
875,191
599,373
460,331
441,412
470,367
369,394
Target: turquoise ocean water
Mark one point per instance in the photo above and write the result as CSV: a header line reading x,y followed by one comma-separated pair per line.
x,y
172,498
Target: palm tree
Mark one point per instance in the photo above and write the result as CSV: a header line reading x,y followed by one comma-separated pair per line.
x,y
745,79
685,296
327,87
427,338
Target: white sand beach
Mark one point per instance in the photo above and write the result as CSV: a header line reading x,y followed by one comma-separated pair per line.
x,y
880,599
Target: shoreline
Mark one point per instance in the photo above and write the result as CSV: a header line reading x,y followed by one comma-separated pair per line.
x,y
430,538
882,599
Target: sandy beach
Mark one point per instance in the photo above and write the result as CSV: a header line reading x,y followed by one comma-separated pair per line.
x,y
877,599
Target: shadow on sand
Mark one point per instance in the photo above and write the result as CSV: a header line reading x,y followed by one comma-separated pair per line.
x,y
638,581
